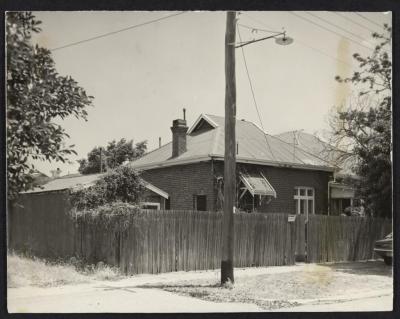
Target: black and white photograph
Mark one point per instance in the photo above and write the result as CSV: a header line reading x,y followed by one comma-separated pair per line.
x,y
199,161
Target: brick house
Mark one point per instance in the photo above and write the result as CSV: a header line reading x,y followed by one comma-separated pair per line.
x,y
341,193
272,175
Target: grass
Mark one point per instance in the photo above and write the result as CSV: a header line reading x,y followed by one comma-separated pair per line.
x,y
25,271
271,291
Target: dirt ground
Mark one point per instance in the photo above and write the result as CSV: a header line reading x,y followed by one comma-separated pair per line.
x,y
356,286
311,283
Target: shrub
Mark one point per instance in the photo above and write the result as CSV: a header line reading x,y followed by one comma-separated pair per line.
x,y
116,216
122,184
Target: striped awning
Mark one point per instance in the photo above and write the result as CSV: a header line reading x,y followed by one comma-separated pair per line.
x,y
257,184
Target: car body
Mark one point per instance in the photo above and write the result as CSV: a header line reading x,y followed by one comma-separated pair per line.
x,y
384,248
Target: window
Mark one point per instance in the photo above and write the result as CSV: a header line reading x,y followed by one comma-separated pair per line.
x,y
168,203
304,200
200,202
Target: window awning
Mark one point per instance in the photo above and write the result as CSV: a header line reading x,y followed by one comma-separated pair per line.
x,y
156,190
341,191
257,184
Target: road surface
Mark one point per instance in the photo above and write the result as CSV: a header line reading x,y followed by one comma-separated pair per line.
x,y
129,296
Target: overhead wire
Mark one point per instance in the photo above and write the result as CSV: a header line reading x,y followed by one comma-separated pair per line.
x,y
336,26
254,97
354,22
329,30
302,43
355,35
115,32
368,19
257,29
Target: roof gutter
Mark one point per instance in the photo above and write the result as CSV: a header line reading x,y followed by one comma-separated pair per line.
x,y
238,159
173,162
278,164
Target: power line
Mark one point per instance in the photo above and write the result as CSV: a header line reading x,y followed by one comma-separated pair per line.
x,y
302,43
355,22
254,97
336,26
257,29
117,31
368,19
329,30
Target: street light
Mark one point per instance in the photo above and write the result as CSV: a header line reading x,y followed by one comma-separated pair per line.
x,y
284,40
230,139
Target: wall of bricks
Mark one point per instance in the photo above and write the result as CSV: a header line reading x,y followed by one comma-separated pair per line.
x,y
183,181
284,180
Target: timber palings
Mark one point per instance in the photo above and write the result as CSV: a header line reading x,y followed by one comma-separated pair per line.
x,y
340,238
40,225
164,241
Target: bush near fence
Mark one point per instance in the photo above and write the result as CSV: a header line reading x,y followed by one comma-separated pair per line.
x,y
164,241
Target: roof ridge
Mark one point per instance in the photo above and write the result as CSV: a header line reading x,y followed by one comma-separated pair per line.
x,y
301,149
152,151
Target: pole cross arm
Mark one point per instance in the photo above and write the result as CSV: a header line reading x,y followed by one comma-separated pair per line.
x,y
242,44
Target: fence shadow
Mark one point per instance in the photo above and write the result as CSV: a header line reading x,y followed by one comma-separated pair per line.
x,y
375,267
161,286
166,286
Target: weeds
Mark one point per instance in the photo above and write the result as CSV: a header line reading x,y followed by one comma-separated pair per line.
x,y
32,271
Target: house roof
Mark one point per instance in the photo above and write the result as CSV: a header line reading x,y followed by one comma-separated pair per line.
x,y
78,180
314,145
66,182
205,142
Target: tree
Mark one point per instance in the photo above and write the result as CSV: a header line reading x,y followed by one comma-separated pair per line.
x,y
363,130
122,184
36,96
100,158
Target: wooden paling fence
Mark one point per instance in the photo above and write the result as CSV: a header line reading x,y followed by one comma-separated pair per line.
x,y
164,241
334,238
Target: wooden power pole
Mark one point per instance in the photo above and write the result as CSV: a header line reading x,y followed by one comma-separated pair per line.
x,y
230,150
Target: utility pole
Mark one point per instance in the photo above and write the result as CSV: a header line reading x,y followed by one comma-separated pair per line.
x,y
230,151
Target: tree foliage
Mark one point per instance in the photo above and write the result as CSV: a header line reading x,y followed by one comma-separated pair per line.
x,y
101,159
122,184
36,96
363,129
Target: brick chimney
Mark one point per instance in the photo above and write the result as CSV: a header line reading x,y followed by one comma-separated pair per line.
x,y
179,130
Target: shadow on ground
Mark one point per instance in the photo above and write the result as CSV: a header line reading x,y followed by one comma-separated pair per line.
x,y
373,267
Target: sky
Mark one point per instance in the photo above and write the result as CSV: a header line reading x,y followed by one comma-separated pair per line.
x,y
143,77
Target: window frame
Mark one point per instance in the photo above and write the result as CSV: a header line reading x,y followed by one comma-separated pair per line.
x,y
195,198
298,198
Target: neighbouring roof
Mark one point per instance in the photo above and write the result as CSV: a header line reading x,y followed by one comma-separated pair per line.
x,y
257,184
314,145
77,181
206,139
66,182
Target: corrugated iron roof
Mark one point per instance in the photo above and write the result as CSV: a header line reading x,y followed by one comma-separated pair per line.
x,y
318,147
77,180
66,182
253,146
